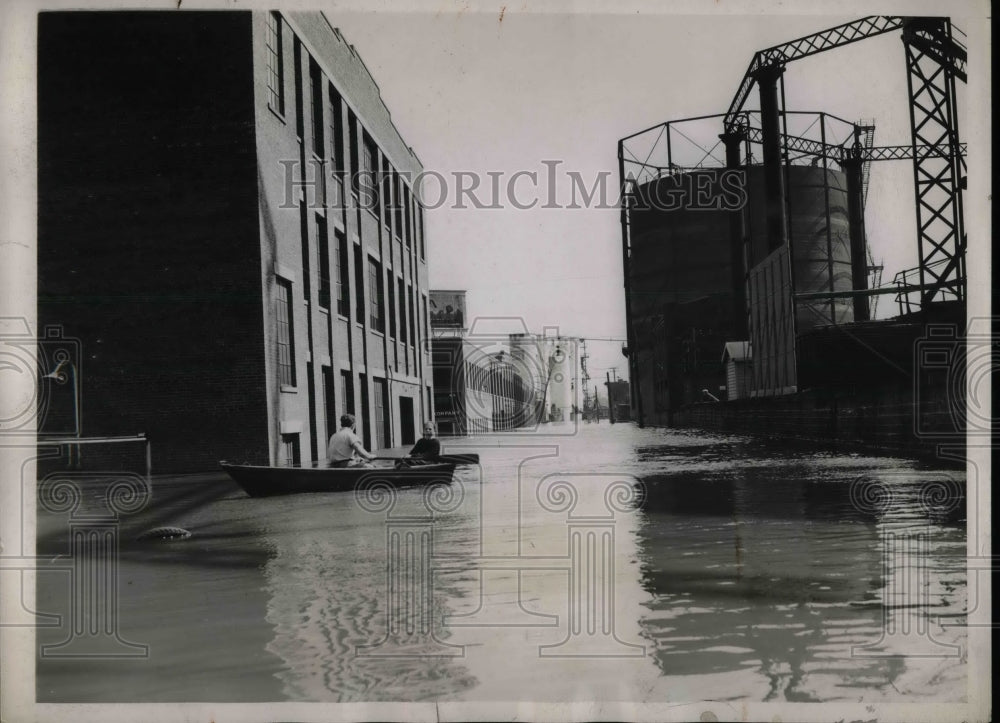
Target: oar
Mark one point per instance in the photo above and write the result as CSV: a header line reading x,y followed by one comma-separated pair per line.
x,y
446,458
470,458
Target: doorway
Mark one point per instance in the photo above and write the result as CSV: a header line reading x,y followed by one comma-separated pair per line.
x,y
406,428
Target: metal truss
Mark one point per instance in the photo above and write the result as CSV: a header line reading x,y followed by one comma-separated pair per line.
x,y
805,46
811,147
933,61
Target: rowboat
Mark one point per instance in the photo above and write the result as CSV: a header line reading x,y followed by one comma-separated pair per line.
x,y
262,481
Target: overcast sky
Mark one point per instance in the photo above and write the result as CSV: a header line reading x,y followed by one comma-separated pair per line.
x,y
471,92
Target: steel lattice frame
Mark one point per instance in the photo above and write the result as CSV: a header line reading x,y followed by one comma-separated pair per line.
x,y
933,61
809,45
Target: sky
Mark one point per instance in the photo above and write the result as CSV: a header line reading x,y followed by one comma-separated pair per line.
x,y
481,91
483,86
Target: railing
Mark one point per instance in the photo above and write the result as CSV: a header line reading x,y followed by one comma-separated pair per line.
x,y
910,291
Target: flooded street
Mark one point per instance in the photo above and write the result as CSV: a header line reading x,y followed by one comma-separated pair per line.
x,y
612,564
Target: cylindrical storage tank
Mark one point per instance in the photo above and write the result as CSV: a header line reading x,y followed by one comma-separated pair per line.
x,y
819,229
562,373
529,364
685,270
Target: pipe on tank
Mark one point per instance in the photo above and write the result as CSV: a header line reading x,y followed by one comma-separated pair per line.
x,y
852,164
774,178
733,141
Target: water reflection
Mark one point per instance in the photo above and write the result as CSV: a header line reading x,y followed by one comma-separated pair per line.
x,y
776,571
746,572
329,606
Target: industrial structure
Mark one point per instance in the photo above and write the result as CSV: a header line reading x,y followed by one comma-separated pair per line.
x,y
227,226
477,388
758,256
498,382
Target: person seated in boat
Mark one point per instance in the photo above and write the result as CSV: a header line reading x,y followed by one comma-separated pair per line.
x,y
345,448
427,449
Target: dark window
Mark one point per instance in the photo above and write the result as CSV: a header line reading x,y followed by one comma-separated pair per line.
x,y
420,229
275,64
316,106
366,434
407,216
392,307
359,285
290,450
336,131
397,203
386,196
381,418
423,317
402,311
286,337
354,169
306,272
413,323
313,431
369,171
323,244
346,393
297,65
329,415
375,290
343,286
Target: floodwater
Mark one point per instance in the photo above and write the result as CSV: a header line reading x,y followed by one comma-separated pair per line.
x,y
607,563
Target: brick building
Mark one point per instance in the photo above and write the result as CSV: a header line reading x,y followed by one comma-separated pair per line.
x,y
227,223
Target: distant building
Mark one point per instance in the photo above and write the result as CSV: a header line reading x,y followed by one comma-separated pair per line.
x,y
738,361
619,400
477,388
227,223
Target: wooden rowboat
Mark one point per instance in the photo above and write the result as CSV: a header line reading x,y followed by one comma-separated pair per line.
x,y
261,481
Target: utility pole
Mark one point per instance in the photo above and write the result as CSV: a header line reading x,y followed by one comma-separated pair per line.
x,y
584,376
611,401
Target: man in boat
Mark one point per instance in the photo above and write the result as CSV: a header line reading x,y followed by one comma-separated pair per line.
x,y
427,449
345,448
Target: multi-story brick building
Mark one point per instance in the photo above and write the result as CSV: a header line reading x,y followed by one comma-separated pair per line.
x,y
228,223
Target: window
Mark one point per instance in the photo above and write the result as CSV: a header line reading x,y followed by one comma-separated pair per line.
x,y
359,285
297,83
375,290
423,316
381,418
402,311
346,393
275,64
407,216
336,129
420,229
343,287
290,450
398,202
316,107
328,405
313,430
366,434
413,324
323,246
352,123
386,192
306,271
369,170
392,307
286,337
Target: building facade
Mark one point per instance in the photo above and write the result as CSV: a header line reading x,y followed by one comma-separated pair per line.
x,y
228,224
478,387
